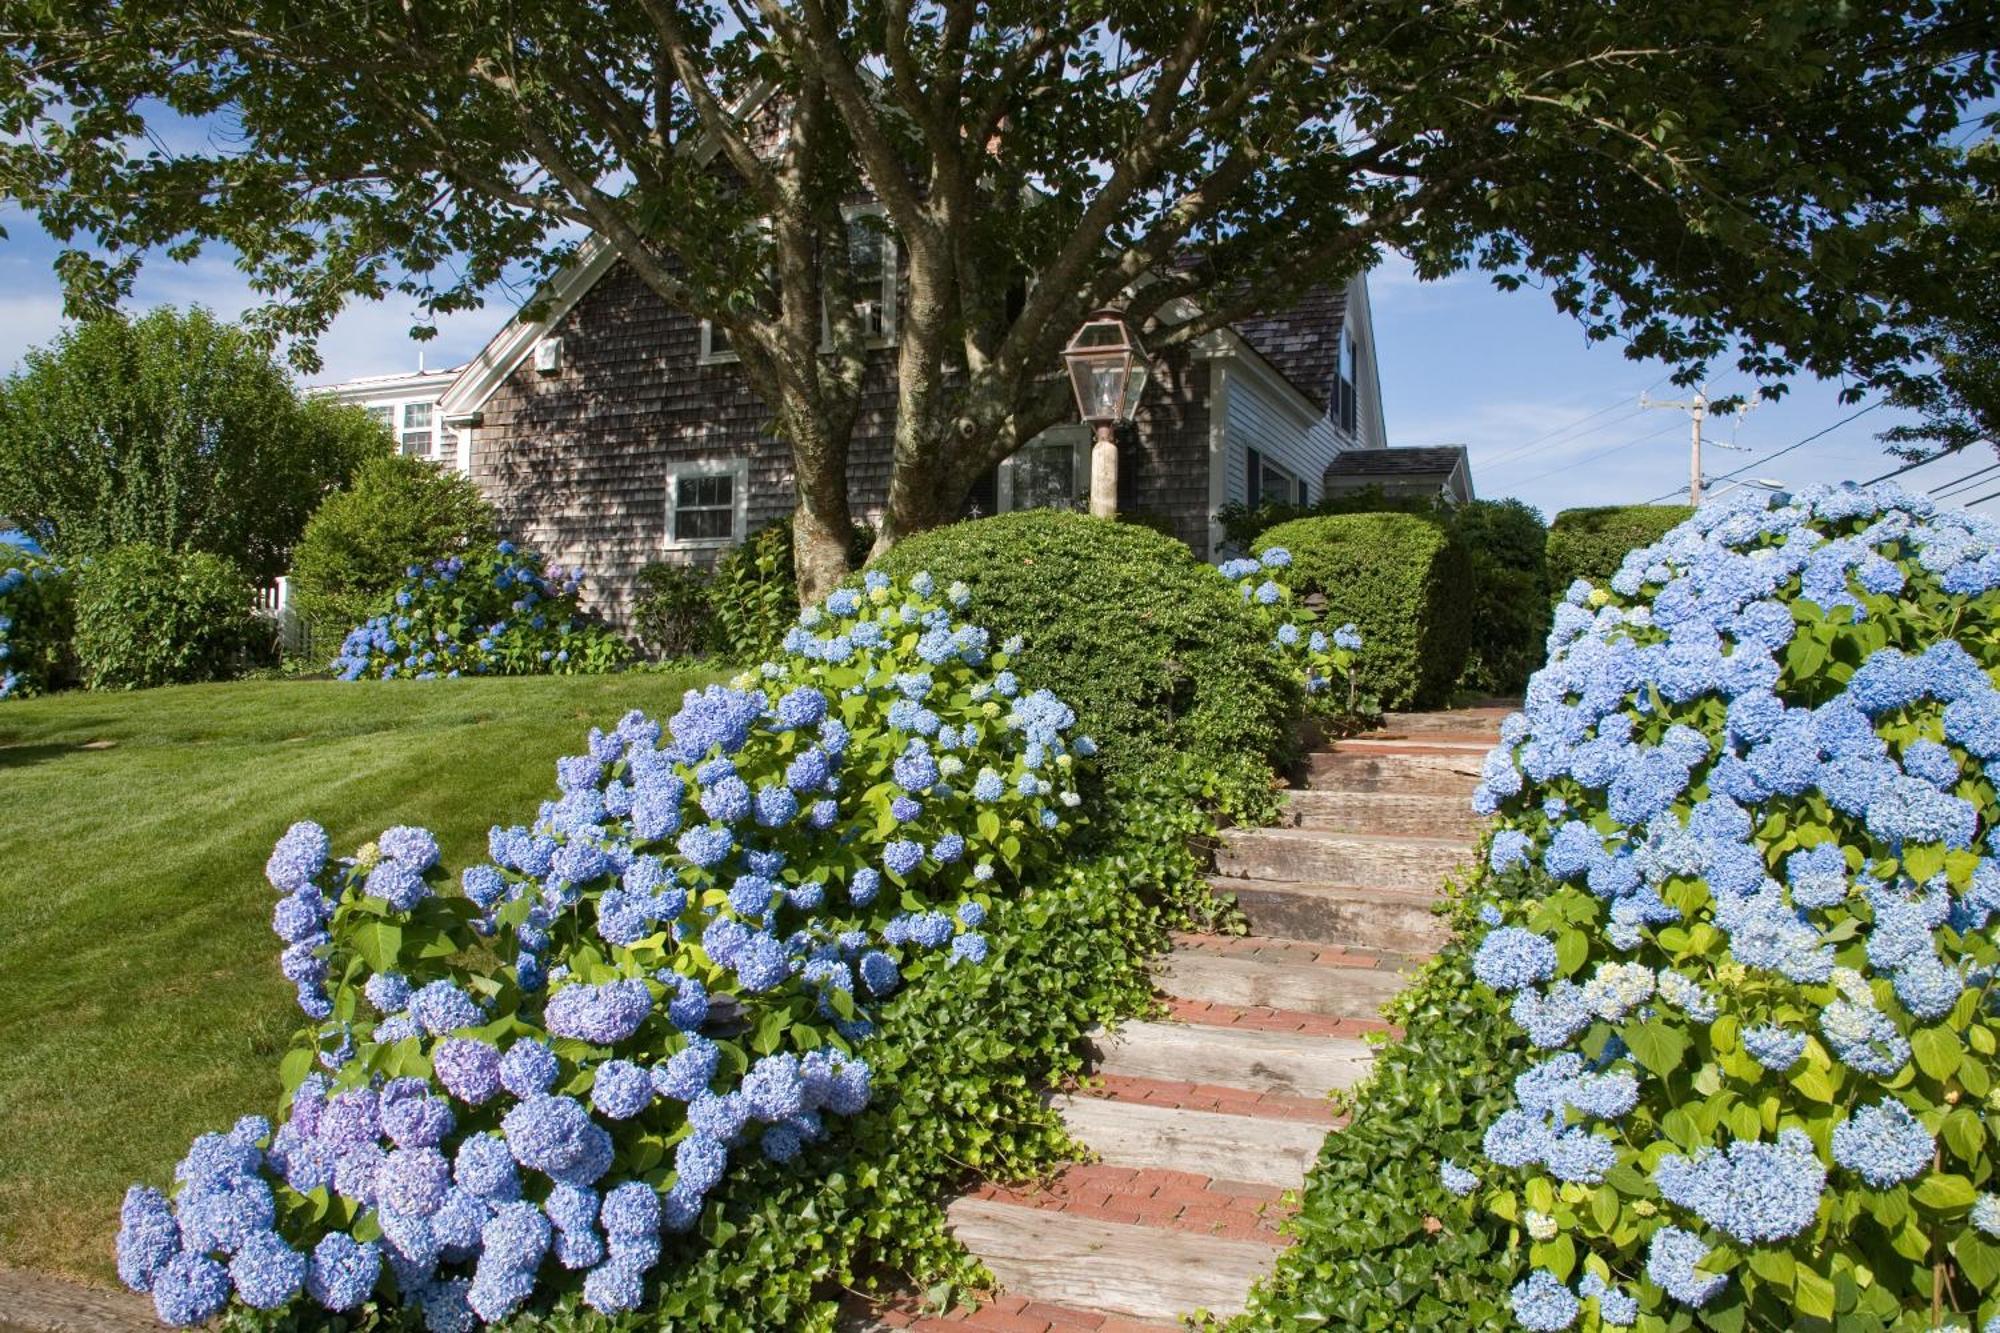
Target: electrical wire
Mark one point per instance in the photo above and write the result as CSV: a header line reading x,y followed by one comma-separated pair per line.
x,y
1517,450
1940,492
1797,444
1598,453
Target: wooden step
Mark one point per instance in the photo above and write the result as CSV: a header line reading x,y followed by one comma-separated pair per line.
x,y
1349,915
1120,1268
1392,861
1289,1063
1256,1149
1411,772
1382,812
1378,743
1313,988
1477,722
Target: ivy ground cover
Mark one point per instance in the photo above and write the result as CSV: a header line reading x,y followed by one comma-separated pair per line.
x,y
141,1003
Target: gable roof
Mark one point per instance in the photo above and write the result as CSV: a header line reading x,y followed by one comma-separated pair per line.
x,y
1302,343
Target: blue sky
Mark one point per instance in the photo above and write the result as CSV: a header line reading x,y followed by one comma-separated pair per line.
x,y
1548,417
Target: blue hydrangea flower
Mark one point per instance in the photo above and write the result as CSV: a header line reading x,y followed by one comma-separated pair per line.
x,y
1510,958
342,1271
1672,1257
1541,1302
1884,1144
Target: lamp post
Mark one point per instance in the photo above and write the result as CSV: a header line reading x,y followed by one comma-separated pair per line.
x,y
1108,371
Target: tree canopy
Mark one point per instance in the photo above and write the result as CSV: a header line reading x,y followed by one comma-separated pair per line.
x,y
1709,180
175,430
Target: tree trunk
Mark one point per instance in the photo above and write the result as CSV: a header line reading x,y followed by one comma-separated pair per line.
x,y
822,525
923,420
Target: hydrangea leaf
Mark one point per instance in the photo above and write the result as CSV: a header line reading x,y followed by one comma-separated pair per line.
x,y
1656,1045
1978,1258
1943,1193
378,943
1938,1052
1813,1293
1773,1265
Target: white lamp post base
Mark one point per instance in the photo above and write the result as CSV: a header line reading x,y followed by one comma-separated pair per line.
x,y
1104,475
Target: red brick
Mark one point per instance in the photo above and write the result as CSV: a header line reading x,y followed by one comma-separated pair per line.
x,y
1061,1317
1153,1177
995,1320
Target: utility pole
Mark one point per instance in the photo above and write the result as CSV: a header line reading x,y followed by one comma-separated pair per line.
x,y
1697,410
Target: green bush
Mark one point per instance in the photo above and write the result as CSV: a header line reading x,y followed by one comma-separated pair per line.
x,y
37,623
147,616
1404,584
755,589
1507,545
1589,543
673,616
174,429
360,542
1158,654
493,612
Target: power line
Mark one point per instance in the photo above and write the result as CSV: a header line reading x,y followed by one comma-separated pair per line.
x,y
1800,444
1599,453
1912,467
1939,493
1520,449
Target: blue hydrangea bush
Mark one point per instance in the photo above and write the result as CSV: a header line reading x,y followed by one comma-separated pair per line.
x,y
497,612
1748,858
516,1086
1322,663
35,621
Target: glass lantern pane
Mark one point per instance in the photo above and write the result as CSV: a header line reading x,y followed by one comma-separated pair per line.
x,y
1135,387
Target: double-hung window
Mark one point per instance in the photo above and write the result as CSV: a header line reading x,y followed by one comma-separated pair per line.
x,y
1346,391
1051,471
871,260
707,502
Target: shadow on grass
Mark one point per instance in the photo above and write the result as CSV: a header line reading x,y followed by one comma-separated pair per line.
x,y
20,756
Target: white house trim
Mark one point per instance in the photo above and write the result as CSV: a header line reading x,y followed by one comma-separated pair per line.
x,y
734,466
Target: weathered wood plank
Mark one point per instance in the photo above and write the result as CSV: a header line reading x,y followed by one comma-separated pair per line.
x,y
1287,1063
1113,1267
1390,920
1313,988
1245,1148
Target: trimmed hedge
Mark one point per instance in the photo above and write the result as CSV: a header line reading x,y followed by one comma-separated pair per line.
x,y
1404,583
1158,654
1589,543
146,616
1507,544
755,589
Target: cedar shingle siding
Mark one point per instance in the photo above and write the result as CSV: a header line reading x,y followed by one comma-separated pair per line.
x,y
575,461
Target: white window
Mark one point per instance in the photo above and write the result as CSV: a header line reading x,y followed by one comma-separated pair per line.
x,y
1051,471
715,344
383,414
708,502
1272,483
418,436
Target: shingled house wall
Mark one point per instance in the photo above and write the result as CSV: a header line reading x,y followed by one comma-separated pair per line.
x,y
575,461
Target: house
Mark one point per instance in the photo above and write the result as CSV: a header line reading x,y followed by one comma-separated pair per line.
x,y
612,430
407,405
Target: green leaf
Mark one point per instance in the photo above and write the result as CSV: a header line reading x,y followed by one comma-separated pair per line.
x,y
379,943
1943,1192
292,1070
1812,1294
1978,1258
1774,1266
1656,1046
1963,1133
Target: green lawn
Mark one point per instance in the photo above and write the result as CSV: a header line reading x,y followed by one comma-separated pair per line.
x,y
140,1001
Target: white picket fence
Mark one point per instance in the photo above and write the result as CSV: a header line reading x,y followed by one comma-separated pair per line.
x,y
273,602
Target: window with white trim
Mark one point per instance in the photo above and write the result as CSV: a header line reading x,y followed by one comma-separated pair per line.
x,y
707,502
872,260
1051,471
1346,391
1272,483
418,435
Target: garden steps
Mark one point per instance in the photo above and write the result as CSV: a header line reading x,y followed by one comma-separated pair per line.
x,y
1414,770
1204,1120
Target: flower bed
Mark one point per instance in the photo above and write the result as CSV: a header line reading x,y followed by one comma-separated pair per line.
x,y
497,612
1747,869
638,1028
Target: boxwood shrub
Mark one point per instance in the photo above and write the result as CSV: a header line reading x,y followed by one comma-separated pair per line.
x,y
1590,543
148,616
1160,657
1402,581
